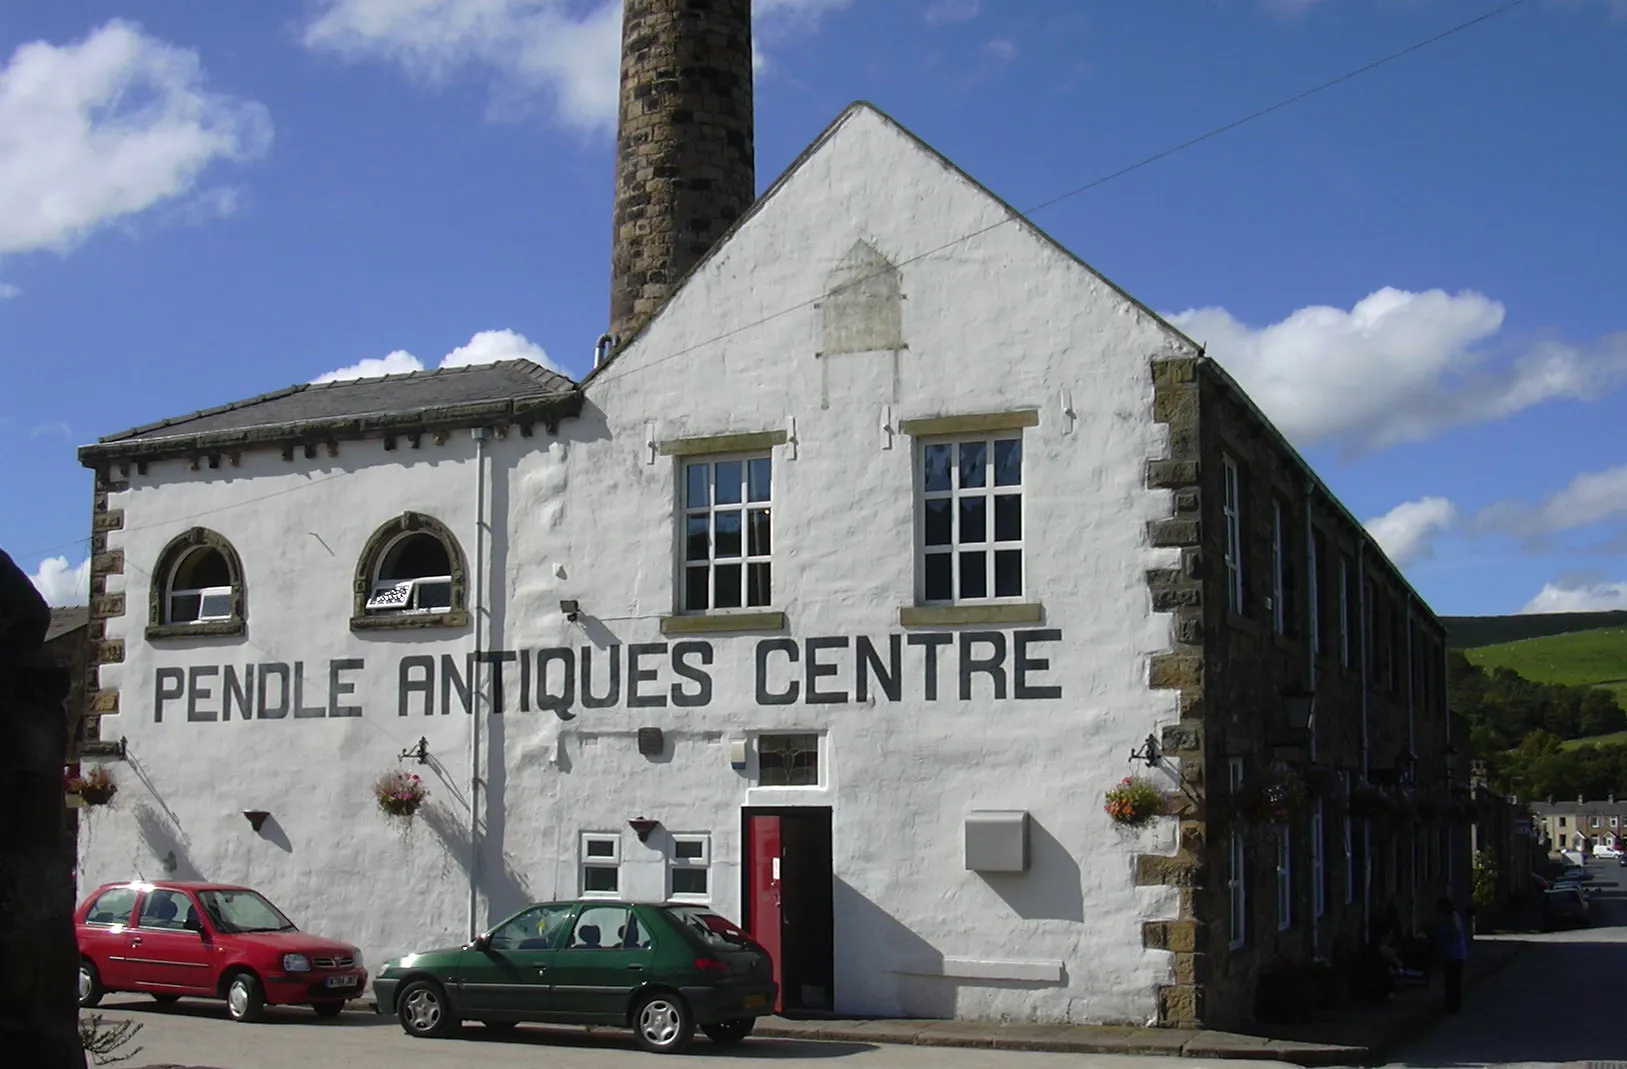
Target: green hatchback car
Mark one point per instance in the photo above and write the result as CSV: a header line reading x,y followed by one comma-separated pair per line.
x,y
661,970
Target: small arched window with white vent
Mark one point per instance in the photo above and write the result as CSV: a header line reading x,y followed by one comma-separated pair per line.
x,y
411,574
197,587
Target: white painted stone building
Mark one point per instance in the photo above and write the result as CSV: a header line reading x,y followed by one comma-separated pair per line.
x,y
824,599
834,423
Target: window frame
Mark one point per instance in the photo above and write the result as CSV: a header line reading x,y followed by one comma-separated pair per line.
x,y
585,861
1236,869
129,913
701,864
1318,862
819,760
371,561
1279,576
1231,505
744,506
991,546
1285,878
162,591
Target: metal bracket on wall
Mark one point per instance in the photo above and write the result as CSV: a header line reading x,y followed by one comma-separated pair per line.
x,y
1151,754
105,748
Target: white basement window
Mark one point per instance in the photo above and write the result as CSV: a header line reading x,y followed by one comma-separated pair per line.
x,y
971,520
601,865
728,537
689,868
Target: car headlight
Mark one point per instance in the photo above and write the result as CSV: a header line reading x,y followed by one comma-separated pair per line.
x,y
296,963
360,964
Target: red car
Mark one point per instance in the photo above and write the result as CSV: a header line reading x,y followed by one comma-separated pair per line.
x,y
208,940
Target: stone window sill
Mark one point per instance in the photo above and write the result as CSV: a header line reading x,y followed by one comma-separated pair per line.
x,y
1030,612
410,622
207,629
1244,624
715,623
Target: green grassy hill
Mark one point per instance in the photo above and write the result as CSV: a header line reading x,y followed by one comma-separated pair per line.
x,y
1595,658
1470,632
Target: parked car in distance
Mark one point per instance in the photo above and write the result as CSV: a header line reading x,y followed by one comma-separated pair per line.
x,y
661,970
175,939
1564,906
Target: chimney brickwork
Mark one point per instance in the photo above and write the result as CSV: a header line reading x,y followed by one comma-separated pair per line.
x,y
684,158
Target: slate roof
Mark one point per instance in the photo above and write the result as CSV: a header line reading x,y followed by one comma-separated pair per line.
x,y
1557,808
353,407
66,619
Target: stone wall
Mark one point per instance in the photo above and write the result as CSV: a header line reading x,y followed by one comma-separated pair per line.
x,y
685,164
1365,720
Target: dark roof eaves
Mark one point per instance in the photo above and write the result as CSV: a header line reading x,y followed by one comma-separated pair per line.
x,y
348,428
542,375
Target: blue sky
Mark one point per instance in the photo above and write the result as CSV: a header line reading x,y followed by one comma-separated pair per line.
x,y
1417,273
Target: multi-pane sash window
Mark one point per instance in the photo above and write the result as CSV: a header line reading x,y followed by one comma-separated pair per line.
x,y
1233,509
728,545
972,519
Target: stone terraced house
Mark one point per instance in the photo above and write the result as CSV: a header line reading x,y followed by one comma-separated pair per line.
x,y
882,533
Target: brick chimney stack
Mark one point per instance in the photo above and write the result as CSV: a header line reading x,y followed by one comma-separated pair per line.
x,y
684,157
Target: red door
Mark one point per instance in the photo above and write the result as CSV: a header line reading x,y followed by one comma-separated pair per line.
x,y
763,837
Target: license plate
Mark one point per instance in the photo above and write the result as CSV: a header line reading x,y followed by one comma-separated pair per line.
x,y
754,1001
342,981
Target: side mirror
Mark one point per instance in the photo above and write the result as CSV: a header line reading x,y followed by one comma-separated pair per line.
x,y
481,941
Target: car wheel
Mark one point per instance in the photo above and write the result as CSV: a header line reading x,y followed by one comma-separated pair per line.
x,y
90,984
499,1026
328,1009
663,1024
245,1001
424,1011
728,1033
166,1000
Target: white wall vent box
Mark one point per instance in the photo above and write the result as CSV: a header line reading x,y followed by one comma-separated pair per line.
x,y
737,753
997,840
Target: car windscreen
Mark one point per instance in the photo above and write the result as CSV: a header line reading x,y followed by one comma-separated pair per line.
x,y
710,928
243,911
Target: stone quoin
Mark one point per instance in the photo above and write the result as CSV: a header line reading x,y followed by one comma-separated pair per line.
x,y
856,609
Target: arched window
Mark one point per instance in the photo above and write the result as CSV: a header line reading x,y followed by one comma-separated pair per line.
x,y
411,574
197,588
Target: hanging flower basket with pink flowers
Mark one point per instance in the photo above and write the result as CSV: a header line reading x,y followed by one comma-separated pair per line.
x,y
399,793
1135,800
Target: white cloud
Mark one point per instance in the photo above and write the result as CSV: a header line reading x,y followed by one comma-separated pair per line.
x,y
942,12
1594,597
105,128
566,51
1001,49
1407,532
1591,497
486,347
54,427
8,291
1397,367
60,584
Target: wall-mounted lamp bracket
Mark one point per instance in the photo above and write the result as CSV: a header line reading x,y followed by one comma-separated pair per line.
x,y
419,752
1149,753
571,608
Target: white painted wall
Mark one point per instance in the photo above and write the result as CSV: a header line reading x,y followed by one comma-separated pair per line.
x,y
1000,322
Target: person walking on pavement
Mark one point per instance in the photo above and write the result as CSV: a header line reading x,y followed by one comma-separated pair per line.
x,y
1451,940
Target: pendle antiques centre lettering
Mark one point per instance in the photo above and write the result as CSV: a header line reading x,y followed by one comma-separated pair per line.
x,y
828,670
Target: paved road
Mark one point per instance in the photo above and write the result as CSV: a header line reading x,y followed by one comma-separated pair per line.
x,y
197,1034
1560,1002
